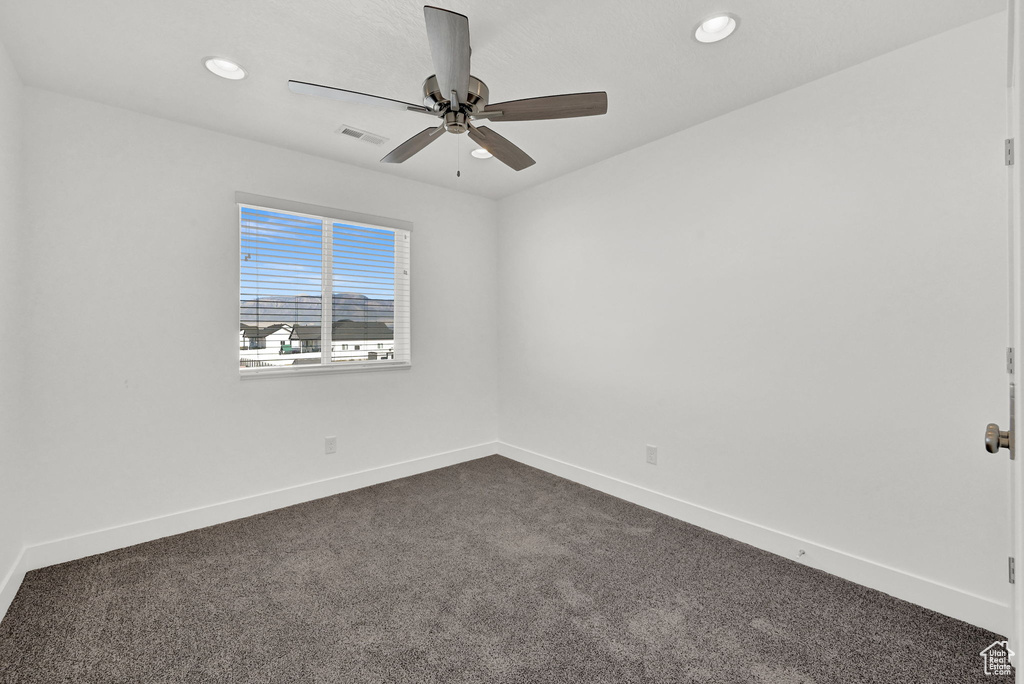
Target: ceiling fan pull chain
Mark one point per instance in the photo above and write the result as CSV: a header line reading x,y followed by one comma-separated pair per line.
x,y
458,157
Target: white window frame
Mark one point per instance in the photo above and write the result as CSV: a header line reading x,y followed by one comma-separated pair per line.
x,y
403,290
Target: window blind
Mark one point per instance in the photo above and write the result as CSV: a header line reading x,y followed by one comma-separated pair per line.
x,y
317,292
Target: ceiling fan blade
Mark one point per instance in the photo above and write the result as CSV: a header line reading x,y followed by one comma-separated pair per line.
x,y
501,148
303,88
552,107
448,33
413,145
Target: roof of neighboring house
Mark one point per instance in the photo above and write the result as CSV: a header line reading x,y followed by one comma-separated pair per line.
x,y
346,331
254,332
305,332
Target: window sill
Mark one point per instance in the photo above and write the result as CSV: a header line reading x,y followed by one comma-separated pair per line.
x,y
292,371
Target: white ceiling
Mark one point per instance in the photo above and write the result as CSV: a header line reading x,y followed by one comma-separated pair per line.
x,y
145,55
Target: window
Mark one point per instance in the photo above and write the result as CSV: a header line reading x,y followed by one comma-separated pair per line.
x,y
320,282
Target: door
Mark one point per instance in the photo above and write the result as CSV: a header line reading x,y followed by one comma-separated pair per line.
x,y
1015,70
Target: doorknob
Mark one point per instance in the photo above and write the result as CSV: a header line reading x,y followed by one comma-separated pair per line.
x,y
996,438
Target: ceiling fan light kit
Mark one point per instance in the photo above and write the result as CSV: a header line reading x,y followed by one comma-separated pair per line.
x,y
458,98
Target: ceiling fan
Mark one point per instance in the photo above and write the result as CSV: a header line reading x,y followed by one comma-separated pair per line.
x,y
458,98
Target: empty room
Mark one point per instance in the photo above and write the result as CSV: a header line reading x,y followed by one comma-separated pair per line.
x,y
576,341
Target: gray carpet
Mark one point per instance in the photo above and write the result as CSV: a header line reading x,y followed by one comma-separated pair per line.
x,y
488,571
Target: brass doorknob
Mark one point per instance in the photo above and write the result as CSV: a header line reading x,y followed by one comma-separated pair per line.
x,y
996,438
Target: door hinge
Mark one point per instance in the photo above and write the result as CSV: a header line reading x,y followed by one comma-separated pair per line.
x,y
1009,151
1009,360
1013,571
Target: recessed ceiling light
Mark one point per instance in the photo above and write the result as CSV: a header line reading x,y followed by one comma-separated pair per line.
x,y
481,153
224,68
714,29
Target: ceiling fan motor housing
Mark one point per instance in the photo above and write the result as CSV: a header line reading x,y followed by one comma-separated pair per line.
x,y
476,95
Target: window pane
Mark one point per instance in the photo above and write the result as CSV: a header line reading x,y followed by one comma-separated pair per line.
x,y
363,284
280,293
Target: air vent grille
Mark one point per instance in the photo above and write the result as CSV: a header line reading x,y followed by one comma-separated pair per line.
x,y
365,136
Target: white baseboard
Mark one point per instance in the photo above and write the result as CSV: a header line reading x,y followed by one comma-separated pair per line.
x,y
10,584
962,605
941,598
78,546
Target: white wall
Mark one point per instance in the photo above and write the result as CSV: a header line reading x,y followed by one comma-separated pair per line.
x,y
801,303
818,284
12,457
134,242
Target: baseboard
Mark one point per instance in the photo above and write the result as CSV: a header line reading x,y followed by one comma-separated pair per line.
x,y
962,605
79,546
941,598
10,584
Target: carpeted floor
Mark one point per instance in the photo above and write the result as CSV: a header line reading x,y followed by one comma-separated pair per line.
x,y
488,571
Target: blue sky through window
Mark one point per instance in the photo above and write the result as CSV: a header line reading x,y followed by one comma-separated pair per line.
x,y
281,270
364,261
281,257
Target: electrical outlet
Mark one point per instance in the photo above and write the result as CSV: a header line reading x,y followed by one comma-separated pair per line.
x,y
330,445
652,454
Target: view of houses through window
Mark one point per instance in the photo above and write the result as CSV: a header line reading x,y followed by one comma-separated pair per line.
x,y
318,291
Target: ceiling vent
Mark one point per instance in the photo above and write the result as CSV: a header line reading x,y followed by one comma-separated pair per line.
x,y
365,136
